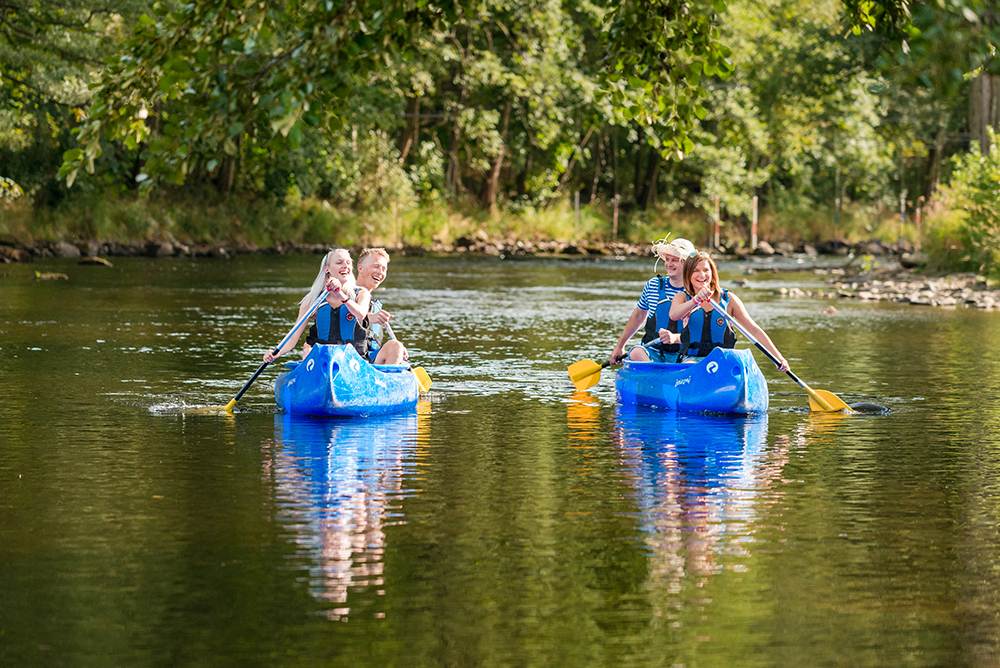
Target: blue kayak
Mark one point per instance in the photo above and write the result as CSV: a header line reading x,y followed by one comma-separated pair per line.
x,y
725,381
336,381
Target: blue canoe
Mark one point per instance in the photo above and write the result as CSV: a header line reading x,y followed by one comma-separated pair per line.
x,y
726,381
336,381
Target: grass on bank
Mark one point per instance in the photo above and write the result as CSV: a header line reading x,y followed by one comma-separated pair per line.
x,y
203,220
130,219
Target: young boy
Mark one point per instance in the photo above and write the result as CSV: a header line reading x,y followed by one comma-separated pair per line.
x,y
661,338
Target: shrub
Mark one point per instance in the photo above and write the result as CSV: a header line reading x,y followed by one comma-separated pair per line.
x,y
964,231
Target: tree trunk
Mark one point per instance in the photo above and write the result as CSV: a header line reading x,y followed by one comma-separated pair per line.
x,y
598,159
652,178
227,175
934,159
984,108
614,163
453,178
412,134
493,185
564,179
638,192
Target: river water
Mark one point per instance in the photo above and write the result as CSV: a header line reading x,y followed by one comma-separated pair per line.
x,y
508,521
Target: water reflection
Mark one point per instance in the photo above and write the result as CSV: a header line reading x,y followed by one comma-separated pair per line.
x,y
340,485
697,479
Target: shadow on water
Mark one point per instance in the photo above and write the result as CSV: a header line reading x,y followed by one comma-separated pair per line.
x,y
340,484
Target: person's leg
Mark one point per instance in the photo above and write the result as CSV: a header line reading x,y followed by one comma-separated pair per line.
x,y
638,354
391,352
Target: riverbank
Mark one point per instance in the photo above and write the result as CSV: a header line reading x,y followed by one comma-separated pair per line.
x,y
479,243
903,285
872,270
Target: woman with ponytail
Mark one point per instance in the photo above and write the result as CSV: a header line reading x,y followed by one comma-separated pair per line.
x,y
338,320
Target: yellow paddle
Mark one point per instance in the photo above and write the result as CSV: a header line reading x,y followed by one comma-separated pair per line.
x,y
423,379
819,400
586,373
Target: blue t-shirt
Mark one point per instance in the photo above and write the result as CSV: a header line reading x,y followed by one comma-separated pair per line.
x,y
650,297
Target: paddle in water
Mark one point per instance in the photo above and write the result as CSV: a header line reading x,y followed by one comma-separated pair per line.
x,y
586,373
819,400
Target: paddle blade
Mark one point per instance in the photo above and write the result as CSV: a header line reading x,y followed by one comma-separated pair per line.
x,y
584,374
822,401
423,379
208,410
229,407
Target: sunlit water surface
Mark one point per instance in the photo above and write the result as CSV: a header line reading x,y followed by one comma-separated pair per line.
x,y
508,521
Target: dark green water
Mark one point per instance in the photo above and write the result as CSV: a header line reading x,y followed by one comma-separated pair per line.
x,y
508,522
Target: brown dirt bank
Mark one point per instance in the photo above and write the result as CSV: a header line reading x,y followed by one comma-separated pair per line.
x,y
479,244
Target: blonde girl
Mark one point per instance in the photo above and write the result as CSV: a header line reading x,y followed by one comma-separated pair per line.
x,y
338,320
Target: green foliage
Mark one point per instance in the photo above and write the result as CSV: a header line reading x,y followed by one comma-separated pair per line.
x,y
345,115
204,86
661,53
50,51
968,234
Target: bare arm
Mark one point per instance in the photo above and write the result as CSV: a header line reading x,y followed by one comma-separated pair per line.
x,y
357,304
740,314
681,307
635,321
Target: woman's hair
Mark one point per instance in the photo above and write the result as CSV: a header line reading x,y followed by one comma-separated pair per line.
x,y
689,267
320,280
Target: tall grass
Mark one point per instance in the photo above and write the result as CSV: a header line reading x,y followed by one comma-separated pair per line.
x,y
203,219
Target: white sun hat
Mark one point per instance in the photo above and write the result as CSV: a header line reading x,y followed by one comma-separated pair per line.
x,y
680,248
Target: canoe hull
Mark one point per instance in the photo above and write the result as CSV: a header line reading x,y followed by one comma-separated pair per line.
x,y
726,381
336,381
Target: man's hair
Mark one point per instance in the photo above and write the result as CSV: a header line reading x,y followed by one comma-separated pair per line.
x,y
368,252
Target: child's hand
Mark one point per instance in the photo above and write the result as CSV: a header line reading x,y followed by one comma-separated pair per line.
x,y
668,337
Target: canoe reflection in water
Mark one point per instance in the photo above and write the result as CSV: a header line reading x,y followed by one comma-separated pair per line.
x,y
697,481
339,486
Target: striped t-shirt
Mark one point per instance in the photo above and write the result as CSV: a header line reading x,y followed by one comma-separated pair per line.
x,y
650,297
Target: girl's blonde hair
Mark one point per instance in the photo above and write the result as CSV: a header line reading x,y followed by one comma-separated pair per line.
x,y
320,280
689,266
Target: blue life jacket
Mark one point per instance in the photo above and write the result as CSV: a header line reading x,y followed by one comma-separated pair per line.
x,y
697,340
337,326
660,319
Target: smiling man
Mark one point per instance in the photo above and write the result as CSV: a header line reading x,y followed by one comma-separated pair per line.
x,y
373,267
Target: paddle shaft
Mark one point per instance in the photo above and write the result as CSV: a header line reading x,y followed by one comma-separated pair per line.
x,y
387,326
277,349
760,346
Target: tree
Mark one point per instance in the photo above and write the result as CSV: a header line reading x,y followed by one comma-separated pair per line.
x,y
50,51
